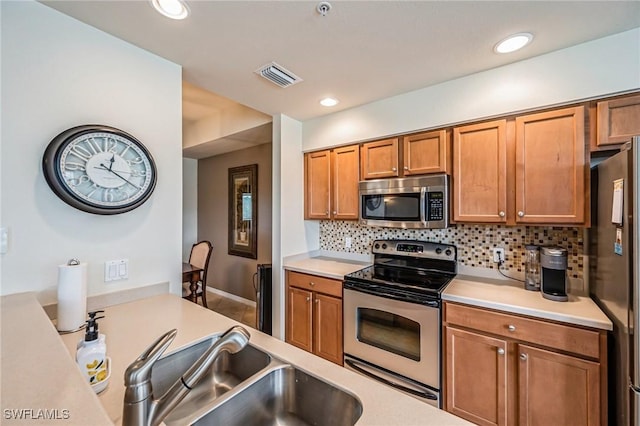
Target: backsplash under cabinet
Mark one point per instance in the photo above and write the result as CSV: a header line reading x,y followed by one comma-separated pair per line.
x,y
474,242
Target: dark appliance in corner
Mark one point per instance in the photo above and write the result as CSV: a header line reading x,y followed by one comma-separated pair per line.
x,y
614,275
262,285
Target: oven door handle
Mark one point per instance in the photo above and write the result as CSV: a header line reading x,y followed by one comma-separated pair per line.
x,y
420,392
382,293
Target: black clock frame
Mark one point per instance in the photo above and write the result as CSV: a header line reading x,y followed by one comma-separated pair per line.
x,y
53,174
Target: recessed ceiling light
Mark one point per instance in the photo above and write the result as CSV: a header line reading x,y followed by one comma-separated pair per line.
x,y
174,9
513,43
329,102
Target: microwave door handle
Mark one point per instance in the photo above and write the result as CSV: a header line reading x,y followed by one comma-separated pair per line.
x,y
419,391
423,202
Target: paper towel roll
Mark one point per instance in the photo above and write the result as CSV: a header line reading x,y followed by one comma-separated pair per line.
x,y
72,296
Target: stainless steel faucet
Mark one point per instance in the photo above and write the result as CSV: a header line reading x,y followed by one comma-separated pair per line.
x,y
140,406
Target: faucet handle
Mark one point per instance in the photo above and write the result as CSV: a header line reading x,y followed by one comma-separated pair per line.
x,y
137,377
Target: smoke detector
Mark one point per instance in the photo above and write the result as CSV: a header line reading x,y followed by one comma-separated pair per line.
x,y
323,8
278,74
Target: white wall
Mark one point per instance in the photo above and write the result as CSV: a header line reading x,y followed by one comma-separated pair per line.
x,y
291,234
189,205
58,73
593,69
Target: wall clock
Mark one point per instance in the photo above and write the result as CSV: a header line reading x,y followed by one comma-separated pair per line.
x,y
99,169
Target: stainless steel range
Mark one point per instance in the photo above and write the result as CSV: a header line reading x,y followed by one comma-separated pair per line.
x,y
392,317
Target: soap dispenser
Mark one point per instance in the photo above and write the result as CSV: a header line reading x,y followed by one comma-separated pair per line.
x,y
91,355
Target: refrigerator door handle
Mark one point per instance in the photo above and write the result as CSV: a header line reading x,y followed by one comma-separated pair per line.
x,y
634,314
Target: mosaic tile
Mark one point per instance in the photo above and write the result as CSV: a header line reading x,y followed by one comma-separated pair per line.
x,y
474,242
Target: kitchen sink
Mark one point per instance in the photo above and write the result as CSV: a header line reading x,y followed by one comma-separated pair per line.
x,y
226,373
286,396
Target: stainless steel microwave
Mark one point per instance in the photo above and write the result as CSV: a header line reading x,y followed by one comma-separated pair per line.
x,y
414,202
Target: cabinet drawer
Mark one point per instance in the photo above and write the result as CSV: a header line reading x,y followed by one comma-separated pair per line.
x,y
315,283
552,335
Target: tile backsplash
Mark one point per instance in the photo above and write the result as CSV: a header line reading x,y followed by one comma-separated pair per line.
x,y
474,242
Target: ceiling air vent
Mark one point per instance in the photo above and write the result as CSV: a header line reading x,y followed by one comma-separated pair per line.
x,y
278,74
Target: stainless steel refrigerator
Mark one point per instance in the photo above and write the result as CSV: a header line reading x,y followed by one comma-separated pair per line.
x,y
614,261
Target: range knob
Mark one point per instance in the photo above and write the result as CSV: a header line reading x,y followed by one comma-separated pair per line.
x,y
376,246
438,250
384,246
448,252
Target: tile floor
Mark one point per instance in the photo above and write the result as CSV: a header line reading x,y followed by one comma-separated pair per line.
x,y
230,308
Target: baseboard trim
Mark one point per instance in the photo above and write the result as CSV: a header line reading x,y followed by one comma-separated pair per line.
x,y
232,296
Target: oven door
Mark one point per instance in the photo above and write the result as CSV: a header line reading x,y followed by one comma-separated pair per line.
x,y
401,337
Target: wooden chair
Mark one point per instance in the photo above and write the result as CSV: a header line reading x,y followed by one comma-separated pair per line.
x,y
199,257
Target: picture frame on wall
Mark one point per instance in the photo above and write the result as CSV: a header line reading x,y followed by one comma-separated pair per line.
x,y
243,211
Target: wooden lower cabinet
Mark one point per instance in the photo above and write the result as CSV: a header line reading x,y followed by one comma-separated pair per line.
x,y
476,371
313,317
493,377
557,389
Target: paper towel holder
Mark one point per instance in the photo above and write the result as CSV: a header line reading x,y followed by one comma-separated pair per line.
x,y
72,262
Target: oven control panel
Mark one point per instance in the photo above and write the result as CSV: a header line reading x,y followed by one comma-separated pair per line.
x,y
425,249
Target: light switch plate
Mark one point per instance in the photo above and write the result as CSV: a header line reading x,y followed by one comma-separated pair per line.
x,y
115,270
4,240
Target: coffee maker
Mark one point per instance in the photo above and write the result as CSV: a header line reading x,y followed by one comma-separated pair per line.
x,y
553,265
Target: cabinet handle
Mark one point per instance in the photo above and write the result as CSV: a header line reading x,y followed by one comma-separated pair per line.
x,y
501,214
393,169
308,298
311,283
500,351
326,212
511,328
317,300
523,357
406,167
521,214
335,212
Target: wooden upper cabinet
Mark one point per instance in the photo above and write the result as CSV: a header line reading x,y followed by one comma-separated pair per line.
x,y
317,176
344,184
617,121
480,172
550,167
426,153
379,159
331,183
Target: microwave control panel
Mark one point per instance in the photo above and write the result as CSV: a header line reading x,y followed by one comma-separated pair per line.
x,y
435,206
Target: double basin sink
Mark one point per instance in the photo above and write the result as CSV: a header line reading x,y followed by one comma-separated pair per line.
x,y
252,387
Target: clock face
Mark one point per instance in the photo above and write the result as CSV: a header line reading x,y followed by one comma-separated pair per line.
x,y
99,169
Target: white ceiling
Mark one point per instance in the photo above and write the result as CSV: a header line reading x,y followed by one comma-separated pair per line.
x,y
360,52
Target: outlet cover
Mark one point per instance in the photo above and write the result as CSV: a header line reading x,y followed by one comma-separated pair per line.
x,y
498,255
347,242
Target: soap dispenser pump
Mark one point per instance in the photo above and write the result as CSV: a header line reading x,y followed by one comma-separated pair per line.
x,y
92,352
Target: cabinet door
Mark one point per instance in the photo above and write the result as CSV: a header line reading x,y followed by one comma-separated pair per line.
x,y
299,318
476,377
618,121
317,178
557,389
480,172
426,153
327,327
550,167
346,175
379,159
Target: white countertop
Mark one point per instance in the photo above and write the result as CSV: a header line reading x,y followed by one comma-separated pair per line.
x,y
325,266
37,372
42,374
504,296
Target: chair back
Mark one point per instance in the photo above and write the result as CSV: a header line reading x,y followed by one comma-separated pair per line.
x,y
199,257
